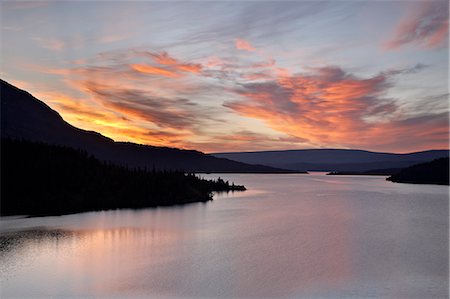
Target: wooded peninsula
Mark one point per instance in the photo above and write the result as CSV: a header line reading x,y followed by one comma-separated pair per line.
x,y
42,179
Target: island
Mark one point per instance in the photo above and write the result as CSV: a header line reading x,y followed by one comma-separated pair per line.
x,y
39,179
434,172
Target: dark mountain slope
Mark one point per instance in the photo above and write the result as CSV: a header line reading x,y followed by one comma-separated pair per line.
x,y
333,159
25,117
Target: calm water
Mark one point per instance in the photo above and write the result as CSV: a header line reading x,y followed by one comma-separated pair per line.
x,y
294,236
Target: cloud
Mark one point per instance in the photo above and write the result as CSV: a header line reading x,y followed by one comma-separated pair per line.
x,y
191,68
176,65
144,103
148,69
266,20
174,113
257,76
426,26
80,111
243,45
225,103
246,140
115,120
408,70
88,115
331,106
411,133
264,64
140,115
162,58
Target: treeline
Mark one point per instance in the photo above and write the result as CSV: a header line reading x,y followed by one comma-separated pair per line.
x,y
42,179
383,171
434,172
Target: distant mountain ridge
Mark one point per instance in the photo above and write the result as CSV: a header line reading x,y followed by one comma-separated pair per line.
x,y
333,159
25,117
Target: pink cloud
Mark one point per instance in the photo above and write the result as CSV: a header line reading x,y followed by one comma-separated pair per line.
x,y
175,65
243,45
163,58
426,25
331,107
155,103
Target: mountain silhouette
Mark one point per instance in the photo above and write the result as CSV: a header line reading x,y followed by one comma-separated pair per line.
x,y
27,118
333,159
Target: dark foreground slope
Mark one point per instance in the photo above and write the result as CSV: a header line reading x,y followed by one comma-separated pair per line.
x,y
40,179
25,117
340,160
434,172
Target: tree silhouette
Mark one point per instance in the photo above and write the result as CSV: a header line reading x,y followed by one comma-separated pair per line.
x,y
42,179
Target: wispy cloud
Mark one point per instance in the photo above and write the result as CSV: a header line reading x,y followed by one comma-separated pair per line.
x,y
164,59
426,25
161,58
149,69
174,113
243,45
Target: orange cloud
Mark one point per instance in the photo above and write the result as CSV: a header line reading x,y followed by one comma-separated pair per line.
x,y
85,114
324,107
243,45
191,68
163,58
426,25
172,63
166,114
114,120
331,107
117,103
148,69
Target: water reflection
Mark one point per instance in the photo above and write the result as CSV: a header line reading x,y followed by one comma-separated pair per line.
x,y
10,242
74,261
288,236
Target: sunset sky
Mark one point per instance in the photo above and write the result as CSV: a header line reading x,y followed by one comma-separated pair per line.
x,y
238,76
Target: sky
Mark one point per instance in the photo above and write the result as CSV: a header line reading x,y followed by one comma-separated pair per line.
x,y
220,76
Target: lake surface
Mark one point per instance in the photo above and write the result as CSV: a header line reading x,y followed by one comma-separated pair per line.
x,y
289,236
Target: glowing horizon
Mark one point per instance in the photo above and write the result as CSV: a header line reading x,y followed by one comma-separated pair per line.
x,y
238,76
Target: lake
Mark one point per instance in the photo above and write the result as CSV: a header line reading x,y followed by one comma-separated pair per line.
x,y
288,236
